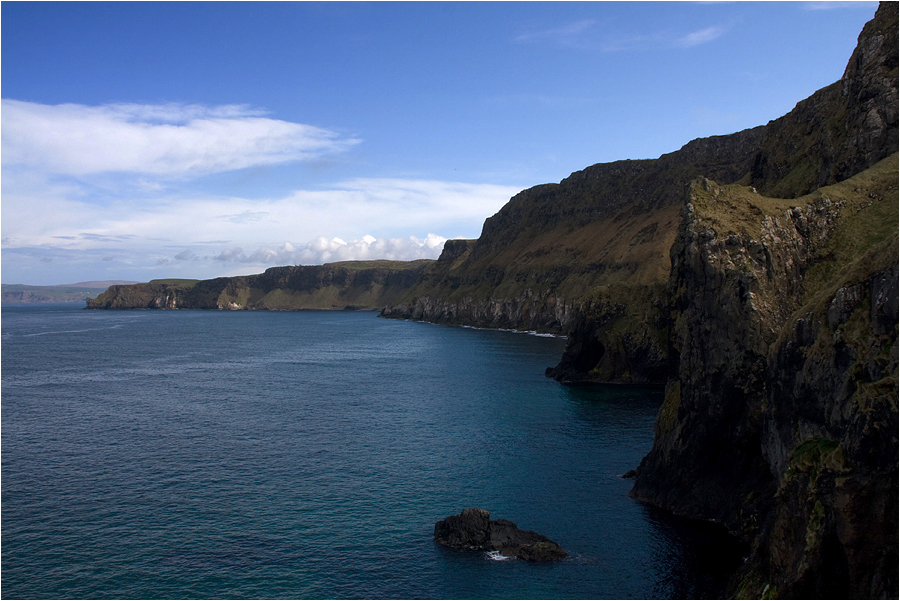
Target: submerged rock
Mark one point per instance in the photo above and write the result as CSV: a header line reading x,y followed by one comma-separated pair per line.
x,y
473,528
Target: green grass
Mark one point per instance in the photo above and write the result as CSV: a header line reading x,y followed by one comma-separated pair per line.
x,y
866,206
813,455
381,264
867,228
177,282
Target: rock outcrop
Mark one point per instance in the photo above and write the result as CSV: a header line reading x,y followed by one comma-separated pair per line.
x,y
781,421
474,529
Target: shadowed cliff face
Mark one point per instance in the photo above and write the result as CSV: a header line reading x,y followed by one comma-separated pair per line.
x,y
830,439
841,129
781,421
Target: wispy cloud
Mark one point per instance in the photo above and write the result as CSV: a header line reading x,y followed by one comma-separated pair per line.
x,y
115,183
35,217
567,34
701,36
162,140
838,5
593,35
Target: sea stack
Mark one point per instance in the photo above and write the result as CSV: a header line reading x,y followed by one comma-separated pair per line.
x,y
474,529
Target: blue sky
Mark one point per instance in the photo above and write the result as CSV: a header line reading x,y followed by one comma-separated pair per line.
x,y
148,140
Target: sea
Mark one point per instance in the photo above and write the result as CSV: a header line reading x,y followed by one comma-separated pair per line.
x,y
308,455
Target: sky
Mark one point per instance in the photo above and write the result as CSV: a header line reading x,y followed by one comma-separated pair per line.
x,y
198,140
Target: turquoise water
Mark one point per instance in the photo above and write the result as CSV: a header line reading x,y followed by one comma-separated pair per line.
x,y
195,454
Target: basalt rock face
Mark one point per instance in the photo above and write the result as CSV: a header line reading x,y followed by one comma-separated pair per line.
x,y
830,439
474,529
781,420
617,335
524,312
353,285
606,190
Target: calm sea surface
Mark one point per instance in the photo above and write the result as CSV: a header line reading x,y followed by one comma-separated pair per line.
x,y
198,454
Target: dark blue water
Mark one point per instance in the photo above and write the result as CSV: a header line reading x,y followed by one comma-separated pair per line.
x,y
195,454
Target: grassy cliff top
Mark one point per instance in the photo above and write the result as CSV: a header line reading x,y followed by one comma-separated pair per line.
x,y
379,264
864,210
865,219
179,282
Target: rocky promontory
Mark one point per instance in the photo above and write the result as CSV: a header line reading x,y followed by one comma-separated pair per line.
x,y
357,285
474,529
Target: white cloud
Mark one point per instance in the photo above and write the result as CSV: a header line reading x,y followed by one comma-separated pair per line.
x,y
60,202
411,200
702,36
162,140
619,42
384,208
200,236
324,250
589,34
832,5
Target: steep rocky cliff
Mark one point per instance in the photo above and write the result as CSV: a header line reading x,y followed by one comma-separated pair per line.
x,y
841,129
349,285
836,133
780,417
764,296
781,420
589,256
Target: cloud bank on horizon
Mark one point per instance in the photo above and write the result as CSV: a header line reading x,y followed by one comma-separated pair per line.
x,y
57,157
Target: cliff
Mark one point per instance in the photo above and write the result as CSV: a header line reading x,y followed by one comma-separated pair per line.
x,y
780,415
362,285
589,257
781,420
